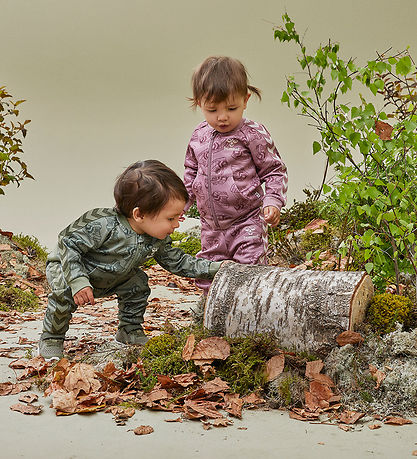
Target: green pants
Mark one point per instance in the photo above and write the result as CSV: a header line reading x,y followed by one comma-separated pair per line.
x,y
132,295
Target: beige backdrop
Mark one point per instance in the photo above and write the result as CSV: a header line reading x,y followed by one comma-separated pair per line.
x,y
106,84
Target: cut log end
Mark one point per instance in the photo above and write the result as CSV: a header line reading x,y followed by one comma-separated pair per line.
x,y
361,298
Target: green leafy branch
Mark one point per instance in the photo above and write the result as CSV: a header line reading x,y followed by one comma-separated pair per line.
x,y
12,168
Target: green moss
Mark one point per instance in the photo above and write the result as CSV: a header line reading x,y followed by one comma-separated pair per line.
x,y
32,245
387,309
13,298
244,369
311,241
163,354
291,389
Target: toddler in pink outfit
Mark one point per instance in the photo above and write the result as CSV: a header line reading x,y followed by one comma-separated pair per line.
x,y
232,168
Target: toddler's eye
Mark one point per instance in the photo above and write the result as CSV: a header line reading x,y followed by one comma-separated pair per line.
x,y
232,108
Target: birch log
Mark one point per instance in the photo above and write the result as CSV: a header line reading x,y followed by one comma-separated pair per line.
x,y
306,310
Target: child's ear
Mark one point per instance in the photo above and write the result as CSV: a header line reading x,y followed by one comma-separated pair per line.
x,y
136,214
247,98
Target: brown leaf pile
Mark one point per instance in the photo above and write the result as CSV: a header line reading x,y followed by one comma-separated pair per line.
x,y
76,387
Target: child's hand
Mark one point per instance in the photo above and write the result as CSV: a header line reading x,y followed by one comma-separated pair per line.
x,y
271,215
84,296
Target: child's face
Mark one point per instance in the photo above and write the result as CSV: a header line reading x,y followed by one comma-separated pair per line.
x,y
224,116
161,224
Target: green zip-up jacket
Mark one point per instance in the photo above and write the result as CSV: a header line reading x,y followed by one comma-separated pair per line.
x,y
100,250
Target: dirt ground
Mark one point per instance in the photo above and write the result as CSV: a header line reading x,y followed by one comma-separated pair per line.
x,y
259,433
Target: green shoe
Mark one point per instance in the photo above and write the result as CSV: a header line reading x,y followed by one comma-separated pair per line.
x,y
133,337
51,349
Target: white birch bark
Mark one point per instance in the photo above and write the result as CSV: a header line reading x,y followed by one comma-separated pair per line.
x,y
306,310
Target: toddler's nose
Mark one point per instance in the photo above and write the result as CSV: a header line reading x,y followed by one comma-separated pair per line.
x,y
222,116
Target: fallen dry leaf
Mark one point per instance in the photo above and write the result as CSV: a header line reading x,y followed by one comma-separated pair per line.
x,y
26,409
28,398
121,412
201,408
215,385
222,422
233,405
173,420
378,375
65,402
397,421
211,348
275,366
314,367
82,377
317,225
349,337
187,352
375,426
303,415
350,417
321,391
9,388
143,430
185,379
345,427
253,399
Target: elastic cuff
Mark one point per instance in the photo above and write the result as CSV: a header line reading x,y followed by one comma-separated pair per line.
x,y
214,267
78,284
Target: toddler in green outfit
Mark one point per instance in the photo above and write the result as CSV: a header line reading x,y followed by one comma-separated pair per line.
x,y
101,254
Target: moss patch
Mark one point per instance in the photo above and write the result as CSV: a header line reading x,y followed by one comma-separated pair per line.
x,y
32,246
387,309
13,298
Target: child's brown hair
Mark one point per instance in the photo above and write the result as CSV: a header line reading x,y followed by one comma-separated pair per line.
x,y
219,77
148,185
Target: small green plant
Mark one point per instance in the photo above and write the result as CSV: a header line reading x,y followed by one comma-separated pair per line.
x,y
283,240
387,309
32,245
12,168
13,298
29,354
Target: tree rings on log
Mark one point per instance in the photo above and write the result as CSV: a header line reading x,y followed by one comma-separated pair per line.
x,y
306,310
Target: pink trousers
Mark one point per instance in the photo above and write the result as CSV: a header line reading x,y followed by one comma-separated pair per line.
x,y
244,242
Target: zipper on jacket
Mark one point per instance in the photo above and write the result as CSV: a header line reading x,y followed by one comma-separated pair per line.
x,y
211,203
